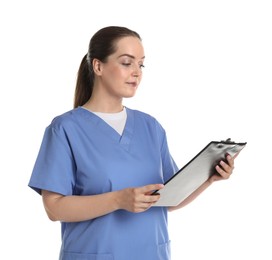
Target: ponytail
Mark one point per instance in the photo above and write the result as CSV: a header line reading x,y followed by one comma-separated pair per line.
x,y
84,84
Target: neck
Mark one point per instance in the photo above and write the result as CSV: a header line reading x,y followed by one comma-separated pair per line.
x,y
104,101
104,107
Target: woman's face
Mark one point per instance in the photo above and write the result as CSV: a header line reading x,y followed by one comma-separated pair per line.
x,y
122,72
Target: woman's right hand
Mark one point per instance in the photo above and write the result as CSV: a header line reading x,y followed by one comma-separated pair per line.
x,y
138,199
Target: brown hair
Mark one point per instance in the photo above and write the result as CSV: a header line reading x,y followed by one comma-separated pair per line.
x,y
101,45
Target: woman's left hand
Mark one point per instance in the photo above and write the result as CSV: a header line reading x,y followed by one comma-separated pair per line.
x,y
224,169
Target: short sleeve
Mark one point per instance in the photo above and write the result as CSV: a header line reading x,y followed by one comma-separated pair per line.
x,y
168,164
54,169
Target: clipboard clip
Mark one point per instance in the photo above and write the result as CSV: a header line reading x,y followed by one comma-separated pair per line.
x,y
228,141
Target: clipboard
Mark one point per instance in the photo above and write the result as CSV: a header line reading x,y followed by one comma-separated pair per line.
x,y
198,170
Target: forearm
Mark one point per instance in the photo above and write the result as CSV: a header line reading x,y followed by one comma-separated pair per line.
x,y
193,196
79,208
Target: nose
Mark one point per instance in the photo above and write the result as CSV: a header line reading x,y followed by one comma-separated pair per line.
x,y
137,71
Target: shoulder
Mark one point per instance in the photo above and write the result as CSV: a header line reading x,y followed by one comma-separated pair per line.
x,y
146,118
141,115
66,119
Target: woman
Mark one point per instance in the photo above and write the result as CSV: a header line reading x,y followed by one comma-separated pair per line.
x,y
99,163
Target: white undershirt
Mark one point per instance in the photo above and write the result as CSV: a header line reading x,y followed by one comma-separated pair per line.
x,y
116,120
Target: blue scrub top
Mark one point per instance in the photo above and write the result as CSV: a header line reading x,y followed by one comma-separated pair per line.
x,y
81,154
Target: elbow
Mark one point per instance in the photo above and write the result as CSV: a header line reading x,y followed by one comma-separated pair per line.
x,y
51,216
50,202
171,208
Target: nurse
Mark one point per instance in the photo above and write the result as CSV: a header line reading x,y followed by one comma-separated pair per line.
x,y
99,162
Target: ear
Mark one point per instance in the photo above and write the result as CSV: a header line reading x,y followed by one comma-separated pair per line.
x,y
97,66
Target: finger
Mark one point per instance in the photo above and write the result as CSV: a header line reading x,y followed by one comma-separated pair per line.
x,y
151,198
236,155
148,189
145,203
222,172
143,207
226,167
230,160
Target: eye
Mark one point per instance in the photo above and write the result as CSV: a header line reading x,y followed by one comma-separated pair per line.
x,y
126,64
142,66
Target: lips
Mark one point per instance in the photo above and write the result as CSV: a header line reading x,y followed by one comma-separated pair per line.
x,y
133,84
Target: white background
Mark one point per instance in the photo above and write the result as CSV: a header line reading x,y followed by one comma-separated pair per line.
x,y
207,77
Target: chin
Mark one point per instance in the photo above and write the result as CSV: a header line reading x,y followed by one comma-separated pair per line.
x,y
129,95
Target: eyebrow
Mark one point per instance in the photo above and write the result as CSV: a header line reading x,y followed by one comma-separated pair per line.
x,y
130,56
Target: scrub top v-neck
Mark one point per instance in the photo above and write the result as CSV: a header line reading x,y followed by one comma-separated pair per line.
x,y
82,155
